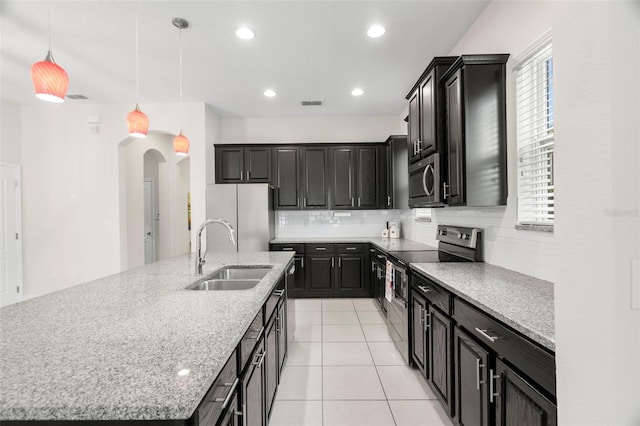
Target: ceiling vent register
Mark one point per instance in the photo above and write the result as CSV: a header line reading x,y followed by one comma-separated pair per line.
x,y
311,103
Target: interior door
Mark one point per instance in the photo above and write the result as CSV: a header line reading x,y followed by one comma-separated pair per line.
x,y
149,223
10,235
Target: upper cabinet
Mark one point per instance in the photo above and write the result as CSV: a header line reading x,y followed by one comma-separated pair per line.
x,y
315,178
426,112
286,178
476,142
243,164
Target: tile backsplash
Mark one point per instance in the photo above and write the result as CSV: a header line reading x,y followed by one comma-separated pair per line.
x,y
333,223
527,252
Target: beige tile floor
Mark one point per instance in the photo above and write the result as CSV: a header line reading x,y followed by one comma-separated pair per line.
x,y
343,370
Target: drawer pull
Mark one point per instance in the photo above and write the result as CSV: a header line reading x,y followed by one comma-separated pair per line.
x,y
287,248
257,336
278,292
259,361
352,248
426,290
225,400
485,333
321,248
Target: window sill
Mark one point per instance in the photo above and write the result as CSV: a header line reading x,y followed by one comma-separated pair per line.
x,y
535,228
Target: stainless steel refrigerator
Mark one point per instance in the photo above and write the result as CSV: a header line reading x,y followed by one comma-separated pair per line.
x,y
248,208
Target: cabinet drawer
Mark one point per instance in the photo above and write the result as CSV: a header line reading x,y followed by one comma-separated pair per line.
x,y
437,295
249,340
352,248
220,392
297,247
273,301
534,361
319,248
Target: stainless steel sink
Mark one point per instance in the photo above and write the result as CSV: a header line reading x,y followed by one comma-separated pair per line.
x,y
224,284
241,273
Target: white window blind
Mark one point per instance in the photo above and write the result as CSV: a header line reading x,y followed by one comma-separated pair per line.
x,y
534,92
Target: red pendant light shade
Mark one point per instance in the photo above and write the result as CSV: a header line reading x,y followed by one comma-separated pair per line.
x,y
138,123
50,81
181,144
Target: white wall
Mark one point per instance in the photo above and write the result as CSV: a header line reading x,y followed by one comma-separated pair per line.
x,y
74,230
10,132
597,83
503,27
310,129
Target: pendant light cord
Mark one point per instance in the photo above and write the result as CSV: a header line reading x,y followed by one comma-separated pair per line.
x,y
180,79
49,25
137,61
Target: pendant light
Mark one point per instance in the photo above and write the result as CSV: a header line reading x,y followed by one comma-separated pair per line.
x,y
180,142
137,121
50,81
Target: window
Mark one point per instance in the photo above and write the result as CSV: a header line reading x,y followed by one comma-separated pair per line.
x,y
534,93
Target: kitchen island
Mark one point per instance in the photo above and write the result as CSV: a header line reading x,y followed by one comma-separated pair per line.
x,y
131,346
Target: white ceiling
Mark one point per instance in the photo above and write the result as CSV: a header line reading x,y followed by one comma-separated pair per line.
x,y
304,50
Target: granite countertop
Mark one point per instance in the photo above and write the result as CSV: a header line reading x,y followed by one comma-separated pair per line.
x,y
520,301
112,349
386,244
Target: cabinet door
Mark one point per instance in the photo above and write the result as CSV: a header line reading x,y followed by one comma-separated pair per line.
x,y
232,417
471,372
287,178
320,274
296,286
518,403
371,185
439,349
351,274
427,143
281,324
414,128
229,164
257,164
342,177
314,181
454,186
271,363
418,341
253,390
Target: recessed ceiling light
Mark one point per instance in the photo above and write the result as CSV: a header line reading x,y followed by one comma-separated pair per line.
x,y
357,92
269,93
376,31
245,33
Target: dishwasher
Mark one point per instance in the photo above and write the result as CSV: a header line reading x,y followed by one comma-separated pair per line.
x,y
398,308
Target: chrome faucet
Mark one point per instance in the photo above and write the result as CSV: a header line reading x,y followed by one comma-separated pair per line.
x,y
200,258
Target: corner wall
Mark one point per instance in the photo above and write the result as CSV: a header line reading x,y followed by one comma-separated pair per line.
x,y
10,132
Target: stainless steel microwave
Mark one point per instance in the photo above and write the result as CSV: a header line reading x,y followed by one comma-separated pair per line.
x,y
424,182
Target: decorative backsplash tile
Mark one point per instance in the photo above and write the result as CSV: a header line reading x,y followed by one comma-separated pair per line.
x,y
333,223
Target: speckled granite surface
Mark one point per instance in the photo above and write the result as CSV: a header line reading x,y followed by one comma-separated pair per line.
x,y
520,301
112,348
386,244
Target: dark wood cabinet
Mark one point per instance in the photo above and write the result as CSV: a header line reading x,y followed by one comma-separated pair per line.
x,y
517,402
351,273
426,110
232,417
315,178
371,178
343,177
271,363
439,334
253,389
281,329
476,139
471,374
242,164
320,273
418,334
286,178
296,283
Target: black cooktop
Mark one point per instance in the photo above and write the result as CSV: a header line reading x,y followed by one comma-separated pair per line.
x,y
425,256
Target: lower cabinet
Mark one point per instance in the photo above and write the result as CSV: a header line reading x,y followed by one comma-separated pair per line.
x,y
253,389
418,333
220,404
271,363
233,417
471,373
320,275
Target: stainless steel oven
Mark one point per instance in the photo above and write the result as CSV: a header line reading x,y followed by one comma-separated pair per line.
x,y
424,182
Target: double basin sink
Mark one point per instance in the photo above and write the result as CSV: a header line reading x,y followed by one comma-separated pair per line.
x,y
232,278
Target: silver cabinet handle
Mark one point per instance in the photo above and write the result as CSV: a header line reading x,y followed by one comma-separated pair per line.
x,y
333,262
259,361
485,333
388,200
287,248
419,144
248,171
444,191
321,249
358,201
373,266
424,288
351,248
225,400
304,201
491,388
422,317
352,201
478,367
339,262
278,323
297,201
302,262
257,337
278,292
427,322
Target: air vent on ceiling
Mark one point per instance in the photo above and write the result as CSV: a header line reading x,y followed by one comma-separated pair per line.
x,y
311,103
77,96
